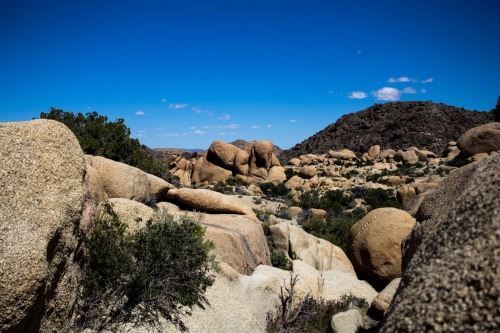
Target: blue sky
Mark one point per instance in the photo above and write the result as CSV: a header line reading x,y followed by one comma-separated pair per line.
x,y
185,73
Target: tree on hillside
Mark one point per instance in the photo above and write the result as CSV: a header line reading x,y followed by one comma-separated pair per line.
x,y
100,137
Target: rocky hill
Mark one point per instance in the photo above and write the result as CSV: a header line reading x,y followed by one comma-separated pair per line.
x,y
394,125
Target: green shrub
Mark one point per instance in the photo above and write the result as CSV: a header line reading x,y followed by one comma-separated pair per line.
x,y
307,315
335,229
100,137
409,180
280,260
271,190
221,187
333,201
377,197
289,173
458,162
162,270
350,173
236,181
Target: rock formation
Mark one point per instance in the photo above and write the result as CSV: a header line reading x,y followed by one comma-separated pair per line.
x,y
44,212
451,281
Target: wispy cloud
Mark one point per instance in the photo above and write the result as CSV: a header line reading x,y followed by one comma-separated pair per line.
x,y
198,110
199,132
293,120
423,91
255,126
429,80
142,131
141,135
224,117
192,127
224,126
409,90
177,106
401,79
160,128
357,95
269,126
163,100
387,94
169,134
140,113
359,51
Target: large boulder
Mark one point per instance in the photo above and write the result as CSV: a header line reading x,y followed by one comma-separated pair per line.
x,y
183,169
204,171
315,251
276,175
343,154
209,201
260,160
451,282
481,139
307,172
408,157
222,154
374,245
111,179
439,201
45,206
374,152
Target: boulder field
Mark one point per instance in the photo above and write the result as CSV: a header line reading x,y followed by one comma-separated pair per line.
x,y
432,267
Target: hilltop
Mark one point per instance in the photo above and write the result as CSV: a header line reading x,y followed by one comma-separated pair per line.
x,y
395,125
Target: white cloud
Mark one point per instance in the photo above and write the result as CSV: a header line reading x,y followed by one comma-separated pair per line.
x,y
224,126
359,51
139,113
255,126
177,106
269,126
169,134
387,94
143,131
227,133
198,110
423,91
293,120
140,135
163,100
192,127
429,80
330,92
224,117
409,90
160,128
401,79
199,132
358,95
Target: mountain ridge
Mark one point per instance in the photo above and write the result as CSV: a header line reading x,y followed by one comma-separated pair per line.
x,y
394,125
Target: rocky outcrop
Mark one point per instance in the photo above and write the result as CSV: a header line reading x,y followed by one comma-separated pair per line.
x,y
394,125
45,207
209,201
204,171
307,172
481,139
374,245
316,252
451,282
111,179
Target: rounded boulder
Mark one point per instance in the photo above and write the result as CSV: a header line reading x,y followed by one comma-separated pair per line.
x,y
374,245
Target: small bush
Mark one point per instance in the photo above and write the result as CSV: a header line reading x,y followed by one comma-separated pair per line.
x,y
409,180
350,173
271,190
458,162
307,315
289,173
162,270
236,181
280,260
221,187
335,229
333,202
377,197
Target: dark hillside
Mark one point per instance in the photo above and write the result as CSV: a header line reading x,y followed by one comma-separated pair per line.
x,y
395,125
